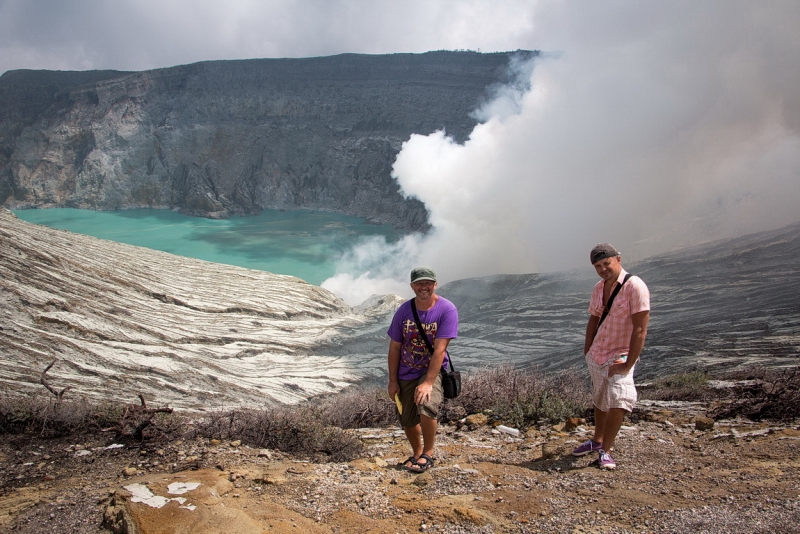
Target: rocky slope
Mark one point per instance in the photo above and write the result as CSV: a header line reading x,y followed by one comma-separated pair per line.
x,y
234,137
123,320
724,305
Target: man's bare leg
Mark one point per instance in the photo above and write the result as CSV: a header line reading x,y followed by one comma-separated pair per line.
x,y
414,436
599,425
429,426
611,425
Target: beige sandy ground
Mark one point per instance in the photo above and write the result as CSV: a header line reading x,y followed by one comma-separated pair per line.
x,y
736,477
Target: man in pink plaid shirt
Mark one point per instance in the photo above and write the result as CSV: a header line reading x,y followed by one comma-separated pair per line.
x,y
614,340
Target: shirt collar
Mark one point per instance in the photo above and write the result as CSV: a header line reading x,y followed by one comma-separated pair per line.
x,y
621,277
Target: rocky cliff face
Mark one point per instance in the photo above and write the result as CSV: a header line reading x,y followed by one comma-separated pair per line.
x,y
228,138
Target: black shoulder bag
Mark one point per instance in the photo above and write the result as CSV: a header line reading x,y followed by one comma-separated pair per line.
x,y
451,381
611,300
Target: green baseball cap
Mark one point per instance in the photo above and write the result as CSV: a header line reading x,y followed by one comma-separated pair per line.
x,y
422,273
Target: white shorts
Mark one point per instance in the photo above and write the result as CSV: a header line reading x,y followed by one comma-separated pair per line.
x,y
615,392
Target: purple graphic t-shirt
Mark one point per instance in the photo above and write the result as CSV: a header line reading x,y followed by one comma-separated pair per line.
x,y
441,321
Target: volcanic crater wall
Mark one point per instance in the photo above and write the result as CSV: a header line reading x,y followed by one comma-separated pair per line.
x,y
224,138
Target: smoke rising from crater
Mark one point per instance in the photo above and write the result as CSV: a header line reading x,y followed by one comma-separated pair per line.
x,y
652,126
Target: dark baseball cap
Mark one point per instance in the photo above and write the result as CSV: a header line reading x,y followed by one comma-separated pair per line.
x,y
602,251
422,273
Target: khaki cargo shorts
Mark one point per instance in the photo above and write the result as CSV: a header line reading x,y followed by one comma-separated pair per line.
x,y
411,411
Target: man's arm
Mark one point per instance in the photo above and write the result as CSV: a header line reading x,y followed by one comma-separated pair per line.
x,y
636,345
637,336
394,366
591,330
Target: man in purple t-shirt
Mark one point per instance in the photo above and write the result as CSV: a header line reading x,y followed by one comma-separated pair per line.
x,y
414,379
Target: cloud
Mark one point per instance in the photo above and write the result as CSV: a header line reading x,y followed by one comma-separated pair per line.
x,y
656,126
147,34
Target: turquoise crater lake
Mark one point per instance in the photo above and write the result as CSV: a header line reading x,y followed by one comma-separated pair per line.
x,y
300,243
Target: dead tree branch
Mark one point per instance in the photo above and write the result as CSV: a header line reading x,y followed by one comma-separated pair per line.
x,y
43,380
135,419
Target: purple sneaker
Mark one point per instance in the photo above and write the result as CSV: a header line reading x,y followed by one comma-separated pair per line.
x,y
586,448
605,461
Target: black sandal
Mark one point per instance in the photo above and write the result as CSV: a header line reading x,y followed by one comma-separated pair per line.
x,y
418,467
408,467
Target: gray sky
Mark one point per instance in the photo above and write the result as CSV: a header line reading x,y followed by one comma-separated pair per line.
x,y
146,34
652,125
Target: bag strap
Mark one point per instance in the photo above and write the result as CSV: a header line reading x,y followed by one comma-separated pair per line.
x,y
611,300
425,335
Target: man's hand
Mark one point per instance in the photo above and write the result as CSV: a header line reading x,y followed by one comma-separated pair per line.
x,y
422,393
393,388
619,367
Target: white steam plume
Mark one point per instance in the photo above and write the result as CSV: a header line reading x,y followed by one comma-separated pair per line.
x,y
675,124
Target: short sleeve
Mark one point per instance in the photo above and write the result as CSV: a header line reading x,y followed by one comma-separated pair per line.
x,y
638,295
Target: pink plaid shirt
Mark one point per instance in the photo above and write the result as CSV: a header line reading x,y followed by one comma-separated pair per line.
x,y
613,339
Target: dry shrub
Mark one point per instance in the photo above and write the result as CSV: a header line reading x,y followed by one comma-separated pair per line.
x,y
756,392
763,394
44,414
51,417
753,373
520,397
295,430
688,386
357,408
316,428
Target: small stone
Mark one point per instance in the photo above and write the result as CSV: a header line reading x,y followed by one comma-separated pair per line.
x,y
423,479
549,450
703,423
129,471
476,420
572,423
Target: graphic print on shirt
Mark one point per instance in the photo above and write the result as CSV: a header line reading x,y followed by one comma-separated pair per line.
x,y
415,353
